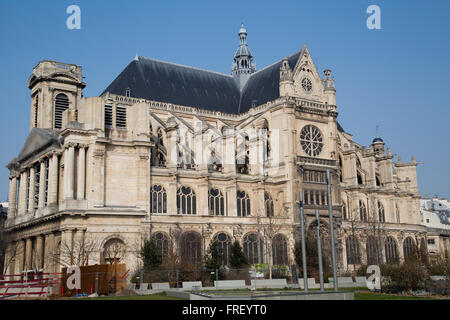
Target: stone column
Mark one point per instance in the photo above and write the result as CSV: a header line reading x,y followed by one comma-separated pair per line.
x,y
12,197
81,173
401,256
42,186
172,197
31,191
171,144
23,193
20,256
78,244
69,157
228,153
202,198
232,200
258,201
253,151
66,245
49,253
259,153
39,252
53,180
28,253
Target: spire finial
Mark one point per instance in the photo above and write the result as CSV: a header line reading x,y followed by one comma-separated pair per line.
x,y
137,56
376,131
243,64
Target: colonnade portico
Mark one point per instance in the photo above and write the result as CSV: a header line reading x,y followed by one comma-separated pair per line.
x,y
40,252
34,193
23,190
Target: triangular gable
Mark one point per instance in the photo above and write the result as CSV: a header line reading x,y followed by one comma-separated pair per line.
x,y
38,140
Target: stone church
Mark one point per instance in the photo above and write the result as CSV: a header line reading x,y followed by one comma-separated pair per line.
x,y
188,156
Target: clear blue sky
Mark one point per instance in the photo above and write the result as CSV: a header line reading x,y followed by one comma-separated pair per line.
x,y
397,77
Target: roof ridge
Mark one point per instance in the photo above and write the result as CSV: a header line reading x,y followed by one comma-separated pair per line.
x,y
184,66
277,61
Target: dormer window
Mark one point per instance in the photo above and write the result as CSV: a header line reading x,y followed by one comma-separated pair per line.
x,y
127,92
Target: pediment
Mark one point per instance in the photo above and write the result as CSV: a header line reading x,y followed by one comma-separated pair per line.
x,y
38,140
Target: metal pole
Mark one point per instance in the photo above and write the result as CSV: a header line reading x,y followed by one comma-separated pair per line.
x,y
96,282
330,211
141,282
302,227
319,251
177,277
217,277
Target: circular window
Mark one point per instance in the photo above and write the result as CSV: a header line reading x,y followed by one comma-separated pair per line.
x,y
311,140
306,84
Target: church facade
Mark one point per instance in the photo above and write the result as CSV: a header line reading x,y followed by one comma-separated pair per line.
x,y
189,156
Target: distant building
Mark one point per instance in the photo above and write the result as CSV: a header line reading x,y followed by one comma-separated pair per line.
x,y
3,217
435,215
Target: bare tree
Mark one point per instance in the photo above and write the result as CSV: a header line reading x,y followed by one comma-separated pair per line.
x,y
12,250
113,251
355,253
76,252
270,230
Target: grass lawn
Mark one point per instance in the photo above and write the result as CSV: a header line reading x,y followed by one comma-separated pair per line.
x,y
359,295
156,296
384,296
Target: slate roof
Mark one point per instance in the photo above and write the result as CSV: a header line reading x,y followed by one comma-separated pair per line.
x,y
168,82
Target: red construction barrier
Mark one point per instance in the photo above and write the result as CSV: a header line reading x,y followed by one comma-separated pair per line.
x,y
37,286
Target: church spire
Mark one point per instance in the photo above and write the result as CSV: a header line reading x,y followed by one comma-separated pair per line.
x,y
243,64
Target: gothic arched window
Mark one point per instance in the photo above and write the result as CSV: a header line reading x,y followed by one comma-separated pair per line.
x,y
190,248
113,251
160,159
158,199
216,202
362,211
186,201
279,250
268,204
409,248
61,105
352,250
224,246
250,246
372,250
162,243
243,204
390,247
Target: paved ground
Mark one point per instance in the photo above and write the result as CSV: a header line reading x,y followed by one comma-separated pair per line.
x,y
358,296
